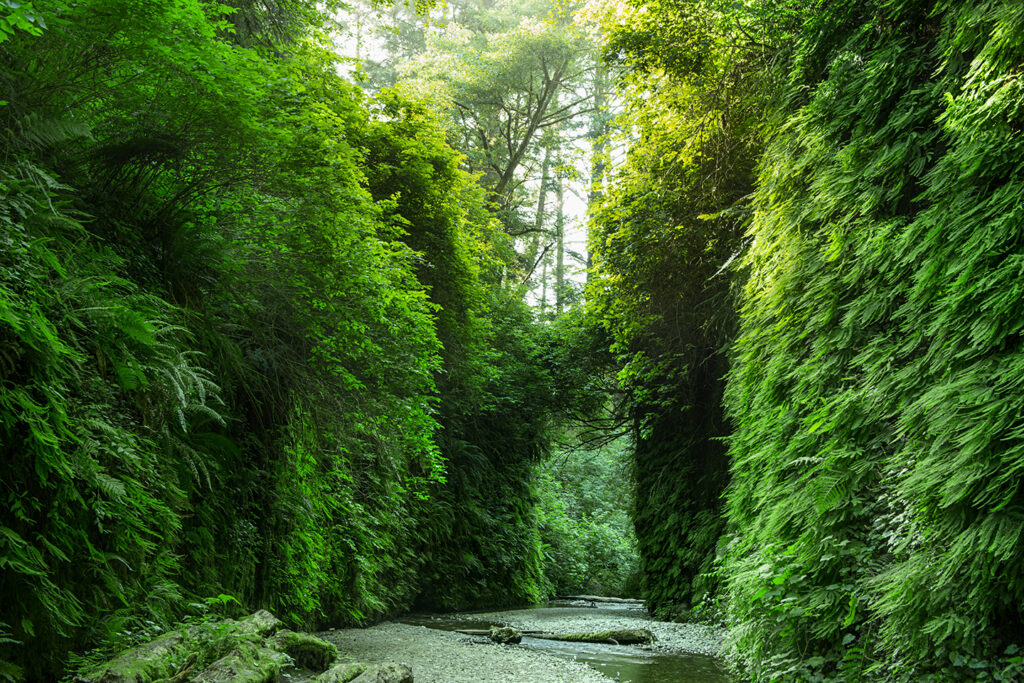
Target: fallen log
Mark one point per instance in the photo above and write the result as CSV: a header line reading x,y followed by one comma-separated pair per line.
x,y
600,598
482,632
628,636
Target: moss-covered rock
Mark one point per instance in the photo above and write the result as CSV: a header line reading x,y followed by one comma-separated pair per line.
x,y
505,634
215,646
157,659
306,650
247,663
342,672
388,672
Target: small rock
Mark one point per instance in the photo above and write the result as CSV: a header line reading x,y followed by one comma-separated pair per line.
x,y
505,634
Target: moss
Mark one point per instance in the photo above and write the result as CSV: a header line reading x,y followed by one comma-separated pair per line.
x,y
307,651
246,663
203,643
152,661
342,672
261,622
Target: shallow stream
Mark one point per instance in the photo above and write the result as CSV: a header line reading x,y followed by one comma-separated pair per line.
x,y
633,664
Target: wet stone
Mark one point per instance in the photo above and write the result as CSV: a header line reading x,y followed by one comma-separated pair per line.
x,y
506,634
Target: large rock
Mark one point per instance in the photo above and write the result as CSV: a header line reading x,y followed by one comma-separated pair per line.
x,y
262,623
505,634
386,673
246,663
306,650
175,655
159,658
342,672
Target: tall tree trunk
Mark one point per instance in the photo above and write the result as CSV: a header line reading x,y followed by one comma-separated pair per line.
x,y
560,248
534,254
544,187
544,286
598,136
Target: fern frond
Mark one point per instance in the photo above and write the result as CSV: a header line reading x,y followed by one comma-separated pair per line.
x,y
36,132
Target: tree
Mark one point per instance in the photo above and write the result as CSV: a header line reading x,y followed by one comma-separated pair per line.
x,y
501,93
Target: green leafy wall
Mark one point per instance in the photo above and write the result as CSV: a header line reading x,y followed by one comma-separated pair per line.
x,y
477,534
873,513
875,505
222,336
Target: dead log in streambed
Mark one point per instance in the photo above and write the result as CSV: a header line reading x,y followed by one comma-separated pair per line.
x,y
600,598
628,636
485,632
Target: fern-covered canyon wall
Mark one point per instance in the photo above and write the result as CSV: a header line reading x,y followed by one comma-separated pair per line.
x,y
254,337
872,517
876,387
672,215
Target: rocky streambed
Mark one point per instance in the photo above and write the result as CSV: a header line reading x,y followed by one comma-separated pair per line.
x,y
437,653
536,646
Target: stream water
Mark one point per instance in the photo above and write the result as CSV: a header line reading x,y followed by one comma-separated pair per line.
x,y
621,662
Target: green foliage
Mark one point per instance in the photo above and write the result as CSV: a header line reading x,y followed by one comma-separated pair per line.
x,y
221,328
20,16
668,224
98,387
478,539
874,509
505,77
585,528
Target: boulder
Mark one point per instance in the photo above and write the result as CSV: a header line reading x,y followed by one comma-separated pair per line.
x,y
505,634
342,672
386,673
306,650
246,663
227,643
159,658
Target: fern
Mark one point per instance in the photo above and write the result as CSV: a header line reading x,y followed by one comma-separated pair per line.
x,y
36,131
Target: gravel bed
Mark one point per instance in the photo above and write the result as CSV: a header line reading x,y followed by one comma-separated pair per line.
x,y
671,637
444,657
